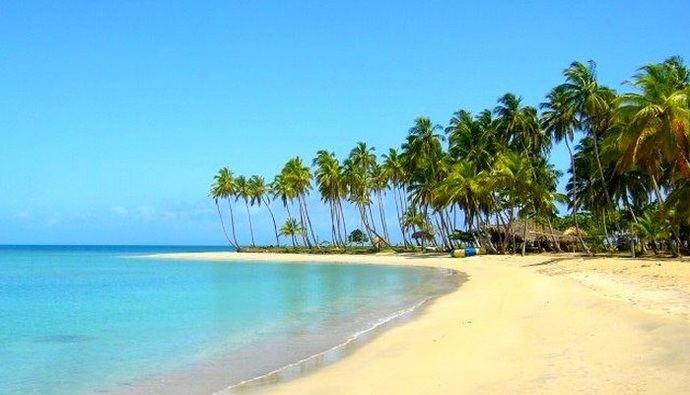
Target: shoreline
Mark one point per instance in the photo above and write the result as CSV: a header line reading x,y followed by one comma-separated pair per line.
x,y
514,327
210,372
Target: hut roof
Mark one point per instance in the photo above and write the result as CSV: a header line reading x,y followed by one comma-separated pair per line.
x,y
534,230
572,231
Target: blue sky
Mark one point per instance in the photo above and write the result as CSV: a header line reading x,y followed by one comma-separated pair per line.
x,y
115,115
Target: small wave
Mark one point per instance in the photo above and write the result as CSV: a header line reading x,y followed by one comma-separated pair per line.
x,y
353,338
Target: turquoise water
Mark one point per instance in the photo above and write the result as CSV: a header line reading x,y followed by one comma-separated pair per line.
x,y
104,319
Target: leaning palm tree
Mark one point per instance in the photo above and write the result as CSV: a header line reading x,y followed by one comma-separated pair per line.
x,y
379,184
258,194
560,121
222,188
225,187
394,167
244,193
595,106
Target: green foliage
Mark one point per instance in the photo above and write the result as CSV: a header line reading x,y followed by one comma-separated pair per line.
x,y
358,237
629,173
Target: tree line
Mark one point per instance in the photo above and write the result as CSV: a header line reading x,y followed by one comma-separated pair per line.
x,y
485,179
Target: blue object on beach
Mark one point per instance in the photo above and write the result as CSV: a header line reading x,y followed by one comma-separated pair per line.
x,y
470,251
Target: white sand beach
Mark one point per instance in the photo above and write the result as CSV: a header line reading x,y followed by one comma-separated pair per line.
x,y
535,324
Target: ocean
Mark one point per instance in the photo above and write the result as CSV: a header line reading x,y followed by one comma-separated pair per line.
x,y
103,319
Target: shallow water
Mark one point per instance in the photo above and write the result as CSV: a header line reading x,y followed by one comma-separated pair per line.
x,y
101,319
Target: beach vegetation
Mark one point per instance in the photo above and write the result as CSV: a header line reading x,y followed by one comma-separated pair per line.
x,y
486,179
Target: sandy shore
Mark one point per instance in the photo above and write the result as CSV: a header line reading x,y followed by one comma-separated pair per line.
x,y
536,324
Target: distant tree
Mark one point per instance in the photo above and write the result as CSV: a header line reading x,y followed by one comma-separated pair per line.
x,y
357,236
292,228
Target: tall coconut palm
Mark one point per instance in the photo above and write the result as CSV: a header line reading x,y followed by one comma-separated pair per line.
x,y
424,158
394,167
223,187
358,169
560,121
258,195
379,185
298,176
331,184
244,193
594,105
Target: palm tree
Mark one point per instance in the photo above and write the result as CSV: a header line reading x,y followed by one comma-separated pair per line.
x,y
560,121
379,184
425,162
358,169
330,181
594,105
291,228
225,187
515,174
464,187
282,190
258,194
298,177
650,229
473,139
243,192
394,168
659,118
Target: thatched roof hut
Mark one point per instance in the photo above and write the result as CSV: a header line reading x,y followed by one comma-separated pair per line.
x,y
573,231
535,231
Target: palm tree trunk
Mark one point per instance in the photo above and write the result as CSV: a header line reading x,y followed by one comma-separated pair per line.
x,y
363,218
311,228
502,236
334,237
397,214
603,180
222,224
399,194
273,218
575,202
369,229
249,216
232,226
305,235
524,237
487,240
382,215
342,219
553,237
336,224
371,217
